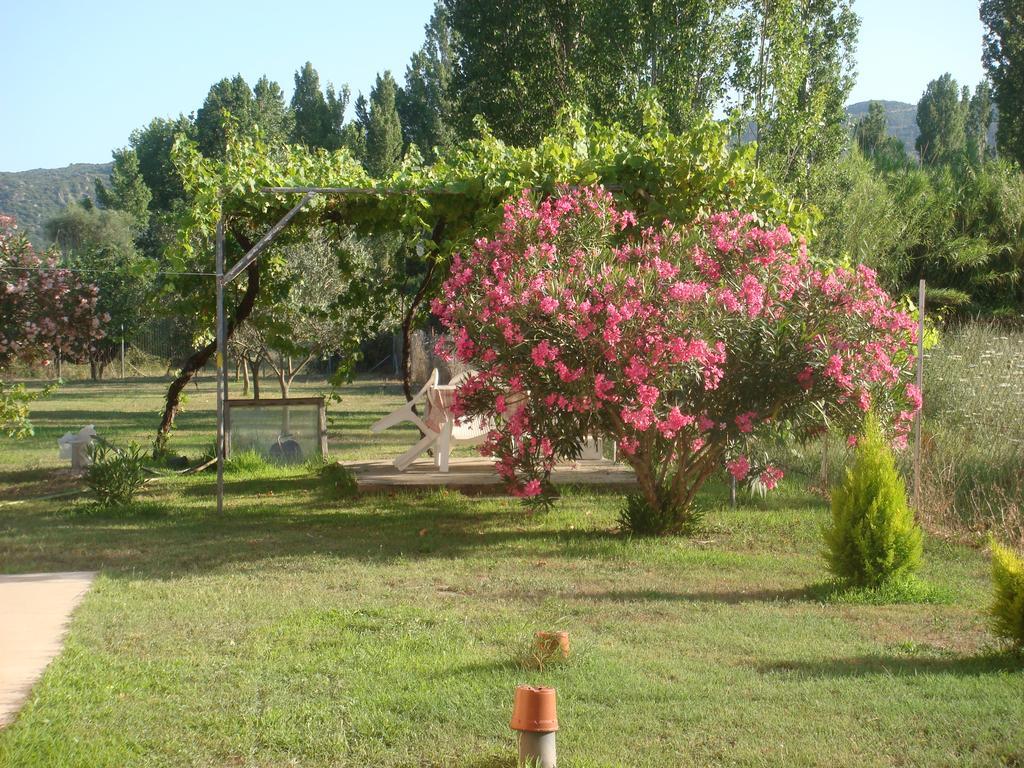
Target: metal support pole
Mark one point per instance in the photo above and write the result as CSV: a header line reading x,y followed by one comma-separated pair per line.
x,y
122,350
920,387
221,381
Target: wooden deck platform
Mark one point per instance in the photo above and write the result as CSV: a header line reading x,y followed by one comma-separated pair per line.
x,y
476,476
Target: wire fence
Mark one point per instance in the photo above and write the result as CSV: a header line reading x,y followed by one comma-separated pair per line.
x,y
971,456
972,452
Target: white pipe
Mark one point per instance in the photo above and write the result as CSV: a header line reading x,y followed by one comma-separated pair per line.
x,y
536,750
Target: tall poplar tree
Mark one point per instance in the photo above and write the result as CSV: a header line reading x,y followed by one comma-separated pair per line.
x,y
127,190
793,74
978,123
425,105
1003,57
941,119
870,131
272,113
233,96
383,128
318,115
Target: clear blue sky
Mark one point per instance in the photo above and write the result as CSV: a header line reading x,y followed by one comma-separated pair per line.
x,y
79,77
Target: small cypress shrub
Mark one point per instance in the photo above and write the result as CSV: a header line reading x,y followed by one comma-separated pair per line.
x,y
1007,611
873,537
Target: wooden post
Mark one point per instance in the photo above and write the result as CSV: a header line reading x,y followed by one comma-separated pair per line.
x,y
322,417
920,387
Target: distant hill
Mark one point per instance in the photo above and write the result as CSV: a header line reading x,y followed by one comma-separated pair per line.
x,y
902,119
34,196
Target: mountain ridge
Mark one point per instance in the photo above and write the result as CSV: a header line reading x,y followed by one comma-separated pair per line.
x,y
36,195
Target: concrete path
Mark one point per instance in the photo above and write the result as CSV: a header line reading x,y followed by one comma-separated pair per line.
x,y
34,613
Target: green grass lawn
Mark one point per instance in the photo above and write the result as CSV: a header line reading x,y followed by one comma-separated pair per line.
x,y
305,629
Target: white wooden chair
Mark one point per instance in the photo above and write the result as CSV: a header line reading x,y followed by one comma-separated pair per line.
x,y
437,424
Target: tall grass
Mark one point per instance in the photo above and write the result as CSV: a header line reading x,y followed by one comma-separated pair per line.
x,y
972,466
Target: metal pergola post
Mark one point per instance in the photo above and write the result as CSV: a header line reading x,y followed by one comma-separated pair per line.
x,y
221,364
224,279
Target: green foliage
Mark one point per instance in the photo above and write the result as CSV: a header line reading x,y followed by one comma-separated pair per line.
x,y
100,243
80,229
979,120
959,226
1003,57
518,64
115,476
127,191
900,118
873,537
14,406
1007,610
272,113
640,517
152,144
658,173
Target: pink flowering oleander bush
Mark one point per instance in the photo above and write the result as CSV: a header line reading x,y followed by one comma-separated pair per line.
x,y
683,343
44,308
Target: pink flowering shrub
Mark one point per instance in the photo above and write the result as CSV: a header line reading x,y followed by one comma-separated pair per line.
x,y
44,309
684,344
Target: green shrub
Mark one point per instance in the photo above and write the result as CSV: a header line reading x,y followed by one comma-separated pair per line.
x,y
115,476
873,537
340,478
639,517
1007,611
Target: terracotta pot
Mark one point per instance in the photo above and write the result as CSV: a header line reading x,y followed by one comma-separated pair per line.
x,y
550,643
534,710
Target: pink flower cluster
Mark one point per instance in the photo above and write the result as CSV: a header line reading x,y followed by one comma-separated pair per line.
x,y
681,343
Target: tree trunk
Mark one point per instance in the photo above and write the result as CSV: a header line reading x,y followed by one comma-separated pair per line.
x,y
245,376
410,314
256,364
197,361
294,372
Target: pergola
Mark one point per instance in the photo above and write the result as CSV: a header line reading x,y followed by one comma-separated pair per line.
x,y
224,278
